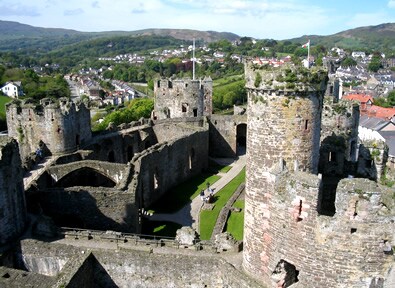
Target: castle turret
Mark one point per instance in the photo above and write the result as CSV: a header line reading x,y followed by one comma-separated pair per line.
x,y
59,125
288,236
283,128
182,98
12,197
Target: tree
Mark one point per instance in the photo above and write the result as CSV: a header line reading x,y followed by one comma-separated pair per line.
x,y
375,64
391,98
348,62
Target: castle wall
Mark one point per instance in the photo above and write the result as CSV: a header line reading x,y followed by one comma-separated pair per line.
x,y
164,166
170,129
12,198
61,126
339,137
341,251
182,98
223,134
89,207
87,267
121,147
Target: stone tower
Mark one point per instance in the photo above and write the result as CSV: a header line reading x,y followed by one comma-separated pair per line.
x,y
59,125
283,128
182,98
12,197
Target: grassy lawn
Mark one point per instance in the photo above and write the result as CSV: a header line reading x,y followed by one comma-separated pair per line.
x,y
178,197
235,222
209,218
3,100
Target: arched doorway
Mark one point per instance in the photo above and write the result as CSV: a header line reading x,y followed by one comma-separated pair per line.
x,y
241,139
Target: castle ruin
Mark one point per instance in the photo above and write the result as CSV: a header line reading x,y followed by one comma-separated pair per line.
x,y
308,221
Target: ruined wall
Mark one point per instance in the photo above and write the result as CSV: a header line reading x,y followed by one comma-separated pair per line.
x,y
171,270
223,134
305,249
12,198
182,98
170,129
61,126
339,137
89,207
85,267
168,164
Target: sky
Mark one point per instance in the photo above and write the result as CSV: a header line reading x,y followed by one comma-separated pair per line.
x,y
275,19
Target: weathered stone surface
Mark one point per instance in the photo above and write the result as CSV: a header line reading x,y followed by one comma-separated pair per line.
x,y
187,236
182,98
12,198
61,126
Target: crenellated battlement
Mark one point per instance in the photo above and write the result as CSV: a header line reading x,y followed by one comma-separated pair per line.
x,y
286,80
60,125
183,98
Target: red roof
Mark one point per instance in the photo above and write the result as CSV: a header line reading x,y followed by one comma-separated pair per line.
x,y
363,98
380,112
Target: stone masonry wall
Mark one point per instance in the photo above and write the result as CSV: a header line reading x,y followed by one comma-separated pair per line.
x,y
182,98
223,134
339,136
61,126
166,165
12,198
346,250
90,208
170,129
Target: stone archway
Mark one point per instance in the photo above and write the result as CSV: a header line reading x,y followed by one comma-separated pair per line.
x,y
85,176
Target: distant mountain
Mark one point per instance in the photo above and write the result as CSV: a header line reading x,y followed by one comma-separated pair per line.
x,y
377,37
46,39
14,30
187,34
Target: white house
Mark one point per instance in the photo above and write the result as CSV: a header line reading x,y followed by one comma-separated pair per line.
x,y
12,89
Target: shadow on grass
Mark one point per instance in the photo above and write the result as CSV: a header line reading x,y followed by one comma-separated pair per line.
x,y
181,195
215,167
161,228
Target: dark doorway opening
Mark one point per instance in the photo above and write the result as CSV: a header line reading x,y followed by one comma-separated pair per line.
x,y
241,139
130,152
111,157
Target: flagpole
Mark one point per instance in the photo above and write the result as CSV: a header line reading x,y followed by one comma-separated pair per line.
x,y
308,55
193,60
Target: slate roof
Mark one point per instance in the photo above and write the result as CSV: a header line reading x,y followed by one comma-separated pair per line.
x,y
373,123
389,137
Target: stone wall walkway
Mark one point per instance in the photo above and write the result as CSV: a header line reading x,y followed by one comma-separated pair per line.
x,y
34,174
189,214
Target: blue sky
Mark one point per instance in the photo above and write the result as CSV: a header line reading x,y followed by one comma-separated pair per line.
x,y
277,19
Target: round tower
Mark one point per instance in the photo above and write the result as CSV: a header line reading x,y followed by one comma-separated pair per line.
x,y
283,127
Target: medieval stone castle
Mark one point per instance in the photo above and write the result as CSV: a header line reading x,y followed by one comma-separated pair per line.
x,y
309,220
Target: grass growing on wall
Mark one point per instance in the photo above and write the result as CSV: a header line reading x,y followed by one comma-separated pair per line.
x,y
208,218
235,222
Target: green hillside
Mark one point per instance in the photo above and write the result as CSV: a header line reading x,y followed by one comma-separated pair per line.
x,y
379,37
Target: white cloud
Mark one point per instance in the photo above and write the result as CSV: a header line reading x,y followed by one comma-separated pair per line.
x,y
391,3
